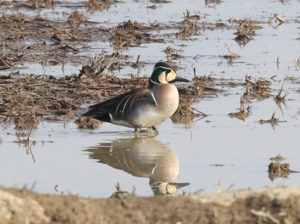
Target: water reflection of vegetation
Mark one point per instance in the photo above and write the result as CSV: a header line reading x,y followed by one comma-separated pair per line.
x,y
142,157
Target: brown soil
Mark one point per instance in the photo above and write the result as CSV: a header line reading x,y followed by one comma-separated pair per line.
x,y
266,205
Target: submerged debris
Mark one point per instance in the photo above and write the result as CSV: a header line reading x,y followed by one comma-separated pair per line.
x,y
246,30
208,2
259,89
160,1
279,98
273,121
36,39
189,26
36,4
88,123
277,159
231,57
99,66
173,54
202,86
278,169
185,112
94,5
128,34
26,121
276,21
77,18
242,114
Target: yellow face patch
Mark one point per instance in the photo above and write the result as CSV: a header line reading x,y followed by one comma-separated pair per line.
x,y
162,78
171,76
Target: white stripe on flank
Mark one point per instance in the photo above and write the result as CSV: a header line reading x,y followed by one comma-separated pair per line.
x,y
154,98
124,107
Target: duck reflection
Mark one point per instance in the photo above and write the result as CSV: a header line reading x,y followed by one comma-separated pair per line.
x,y
142,157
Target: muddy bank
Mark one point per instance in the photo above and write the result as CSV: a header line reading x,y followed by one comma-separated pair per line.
x,y
265,205
28,99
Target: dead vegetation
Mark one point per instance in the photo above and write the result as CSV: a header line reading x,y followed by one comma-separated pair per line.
x,y
45,41
120,194
273,121
36,4
94,5
189,26
27,121
242,114
259,89
88,123
276,21
209,2
59,98
246,30
231,57
30,4
186,113
278,169
56,42
203,86
30,98
128,34
76,18
279,98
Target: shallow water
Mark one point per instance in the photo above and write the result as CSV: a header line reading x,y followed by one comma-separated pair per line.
x,y
211,153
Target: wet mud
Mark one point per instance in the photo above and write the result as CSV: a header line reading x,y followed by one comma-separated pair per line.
x,y
51,98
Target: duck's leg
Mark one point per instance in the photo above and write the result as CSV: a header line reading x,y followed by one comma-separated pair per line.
x,y
153,128
154,131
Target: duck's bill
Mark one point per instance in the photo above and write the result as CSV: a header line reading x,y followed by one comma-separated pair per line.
x,y
180,79
179,185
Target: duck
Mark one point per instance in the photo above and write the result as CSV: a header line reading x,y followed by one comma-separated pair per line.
x,y
143,157
142,107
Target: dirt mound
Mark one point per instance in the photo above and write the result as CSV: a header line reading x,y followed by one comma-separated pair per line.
x,y
265,205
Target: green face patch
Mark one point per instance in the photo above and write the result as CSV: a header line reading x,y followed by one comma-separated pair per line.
x,y
157,72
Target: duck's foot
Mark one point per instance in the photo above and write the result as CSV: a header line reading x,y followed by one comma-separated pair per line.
x,y
150,132
154,131
153,128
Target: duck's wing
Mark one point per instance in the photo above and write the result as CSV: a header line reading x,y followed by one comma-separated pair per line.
x,y
117,106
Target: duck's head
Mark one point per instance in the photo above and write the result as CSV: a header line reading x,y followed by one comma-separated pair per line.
x,y
164,73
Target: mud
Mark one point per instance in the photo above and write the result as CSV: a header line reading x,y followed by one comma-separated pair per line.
x,y
265,205
51,98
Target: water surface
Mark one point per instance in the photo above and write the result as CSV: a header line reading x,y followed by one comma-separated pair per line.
x,y
217,152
